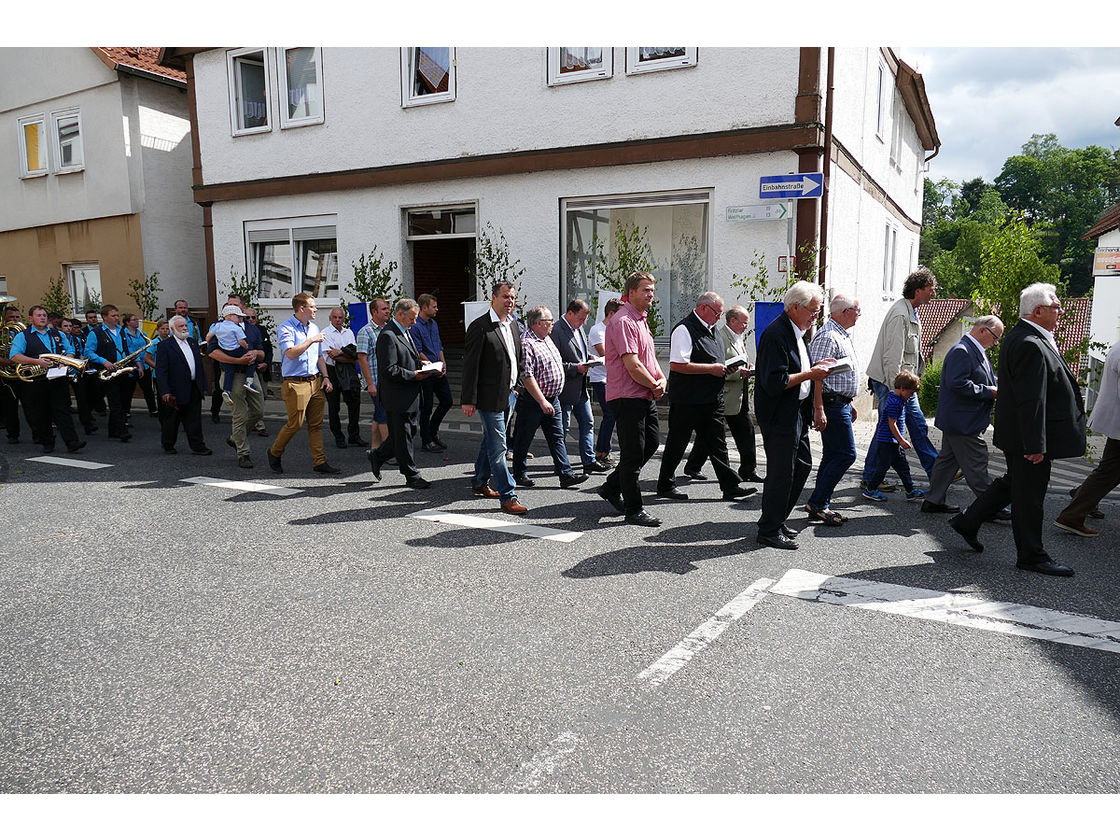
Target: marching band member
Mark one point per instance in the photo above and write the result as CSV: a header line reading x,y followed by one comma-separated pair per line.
x,y
104,346
47,398
134,339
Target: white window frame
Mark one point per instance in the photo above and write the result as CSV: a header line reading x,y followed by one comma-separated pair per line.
x,y
282,86
44,157
290,224
408,100
441,208
235,90
555,77
56,143
888,262
75,301
880,102
634,66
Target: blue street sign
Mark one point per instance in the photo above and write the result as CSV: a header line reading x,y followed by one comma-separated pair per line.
x,y
801,185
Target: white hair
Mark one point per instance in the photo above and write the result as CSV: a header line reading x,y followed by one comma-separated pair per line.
x,y
840,302
988,322
176,319
801,293
709,297
1036,294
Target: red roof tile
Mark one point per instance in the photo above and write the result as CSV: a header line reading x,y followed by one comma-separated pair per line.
x,y
1109,220
144,59
1073,326
936,316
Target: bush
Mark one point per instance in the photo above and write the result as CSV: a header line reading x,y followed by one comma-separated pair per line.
x,y
931,387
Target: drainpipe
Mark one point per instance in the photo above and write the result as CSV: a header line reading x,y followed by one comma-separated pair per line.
x,y
822,257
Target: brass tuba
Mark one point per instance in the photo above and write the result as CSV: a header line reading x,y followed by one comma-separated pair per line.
x,y
122,364
29,372
7,334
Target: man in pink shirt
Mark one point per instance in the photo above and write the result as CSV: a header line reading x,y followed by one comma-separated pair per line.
x,y
635,382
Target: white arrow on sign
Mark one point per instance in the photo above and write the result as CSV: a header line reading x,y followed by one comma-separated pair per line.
x,y
755,212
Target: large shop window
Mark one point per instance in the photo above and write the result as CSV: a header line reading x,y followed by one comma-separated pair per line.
x,y
292,256
427,75
85,286
249,91
673,225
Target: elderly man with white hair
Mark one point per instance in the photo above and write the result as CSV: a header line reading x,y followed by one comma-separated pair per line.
x,y
1039,416
181,382
833,412
784,378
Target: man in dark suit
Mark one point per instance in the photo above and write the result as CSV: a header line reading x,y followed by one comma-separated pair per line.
x,y
398,381
964,409
492,366
782,404
181,383
570,340
1039,416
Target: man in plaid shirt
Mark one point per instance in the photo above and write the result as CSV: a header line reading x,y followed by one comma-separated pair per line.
x,y
367,361
539,403
833,411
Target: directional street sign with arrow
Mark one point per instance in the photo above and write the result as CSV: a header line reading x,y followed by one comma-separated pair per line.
x,y
801,185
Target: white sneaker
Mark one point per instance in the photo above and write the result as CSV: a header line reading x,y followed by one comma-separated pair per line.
x,y
226,398
251,385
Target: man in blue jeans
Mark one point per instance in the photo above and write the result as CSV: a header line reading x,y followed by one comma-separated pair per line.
x,y
491,368
833,411
899,347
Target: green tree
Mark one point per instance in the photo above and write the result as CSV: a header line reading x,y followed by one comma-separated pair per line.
x,y
628,251
145,291
57,298
493,263
374,277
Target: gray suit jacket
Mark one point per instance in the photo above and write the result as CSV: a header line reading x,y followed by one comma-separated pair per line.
x,y
573,353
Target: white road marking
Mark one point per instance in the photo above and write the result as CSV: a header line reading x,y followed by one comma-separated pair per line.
x,y
70,462
243,486
677,657
518,528
530,774
964,610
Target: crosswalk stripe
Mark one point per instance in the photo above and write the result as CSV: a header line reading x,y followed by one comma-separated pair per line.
x,y
518,528
950,608
243,486
70,462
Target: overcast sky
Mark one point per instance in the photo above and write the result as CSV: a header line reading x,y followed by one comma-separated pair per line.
x,y
987,102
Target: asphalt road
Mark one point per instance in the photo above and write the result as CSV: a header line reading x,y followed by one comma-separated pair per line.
x,y
161,635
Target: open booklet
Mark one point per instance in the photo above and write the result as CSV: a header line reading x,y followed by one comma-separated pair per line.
x,y
594,361
840,365
736,362
427,367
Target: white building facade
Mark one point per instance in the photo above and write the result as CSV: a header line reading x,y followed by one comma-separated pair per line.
x,y
307,158
95,163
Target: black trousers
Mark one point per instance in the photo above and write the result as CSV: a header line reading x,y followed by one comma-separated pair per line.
x,y
353,400
789,461
9,406
638,439
402,429
742,432
1100,482
147,388
83,383
431,415
1024,487
118,396
706,420
189,416
48,405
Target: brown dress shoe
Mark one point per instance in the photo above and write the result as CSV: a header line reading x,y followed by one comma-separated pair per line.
x,y
513,506
486,491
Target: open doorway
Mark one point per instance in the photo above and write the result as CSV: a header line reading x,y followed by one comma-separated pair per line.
x,y
443,246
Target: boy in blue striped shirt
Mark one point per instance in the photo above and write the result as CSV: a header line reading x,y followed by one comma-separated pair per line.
x,y
890,441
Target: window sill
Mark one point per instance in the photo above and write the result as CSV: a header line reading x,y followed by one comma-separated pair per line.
x,y
30,175
417,103
71,170
284,126
248,131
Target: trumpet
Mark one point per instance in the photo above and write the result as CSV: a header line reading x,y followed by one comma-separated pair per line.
x,y
28,372
122,366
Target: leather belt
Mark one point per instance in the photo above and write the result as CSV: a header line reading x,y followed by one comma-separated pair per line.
x,y
834,397
300,378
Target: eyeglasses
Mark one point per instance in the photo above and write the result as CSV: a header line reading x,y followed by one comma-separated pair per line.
x,y
251,317
995,335
1057,307
854,309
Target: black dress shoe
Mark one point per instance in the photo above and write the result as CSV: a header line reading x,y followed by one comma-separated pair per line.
x,y
787,531
571,480
431,447
274,462
779,540
1001,515
203,451
751,475
357,441
417,482
125,438
439,443
326,468
374,464
957,524
670,493
695,475
524,481
340,443
90,429
644,519
934,507
1046,567
615,499
75,446
738,493
170,450
595,467
245,462
229,440
48,447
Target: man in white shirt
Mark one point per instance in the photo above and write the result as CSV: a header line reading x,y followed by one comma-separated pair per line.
x,y
340,352
181,382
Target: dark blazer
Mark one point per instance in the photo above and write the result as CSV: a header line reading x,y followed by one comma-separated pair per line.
x,y
397,363
1039,408
173,375
964,401
486,368
573,355
776,405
